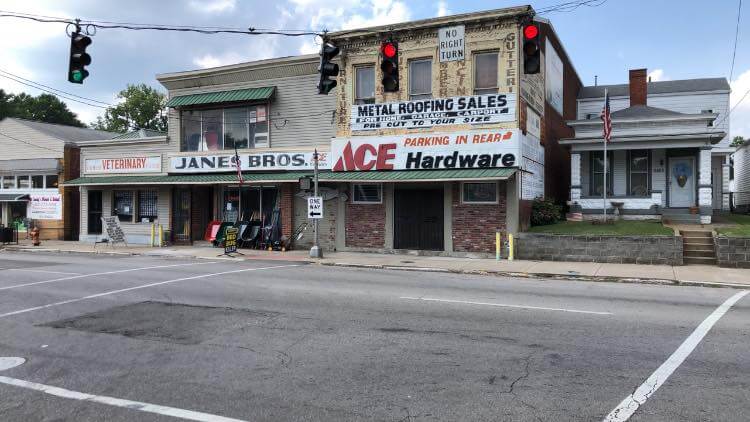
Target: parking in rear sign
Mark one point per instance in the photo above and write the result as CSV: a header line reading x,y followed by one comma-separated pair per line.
x,y
315,207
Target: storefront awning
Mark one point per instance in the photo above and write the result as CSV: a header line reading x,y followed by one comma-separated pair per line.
x,y
251,94
13,197
293,176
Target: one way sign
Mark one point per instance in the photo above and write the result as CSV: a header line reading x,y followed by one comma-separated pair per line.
x,y
315,207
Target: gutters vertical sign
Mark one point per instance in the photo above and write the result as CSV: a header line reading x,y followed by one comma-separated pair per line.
x,y
451,43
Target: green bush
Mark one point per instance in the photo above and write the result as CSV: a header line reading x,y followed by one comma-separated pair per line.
x,y
545,211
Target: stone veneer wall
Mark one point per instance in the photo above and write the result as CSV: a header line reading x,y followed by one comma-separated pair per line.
x,y
733,251
663,250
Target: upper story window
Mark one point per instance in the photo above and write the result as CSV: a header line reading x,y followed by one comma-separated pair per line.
x,y
420,79
590,116
485,73
711,123
220,129
364,85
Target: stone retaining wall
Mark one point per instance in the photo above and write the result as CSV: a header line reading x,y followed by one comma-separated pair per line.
x,y
661,250
733,251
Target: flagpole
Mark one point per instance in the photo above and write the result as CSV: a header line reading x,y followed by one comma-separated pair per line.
x,y
604,188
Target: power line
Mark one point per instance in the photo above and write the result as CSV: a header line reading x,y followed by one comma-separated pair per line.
x,y
146,27
51,92
736,34
54,89
570,6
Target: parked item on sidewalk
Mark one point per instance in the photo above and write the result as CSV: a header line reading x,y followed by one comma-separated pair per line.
x,y
211,230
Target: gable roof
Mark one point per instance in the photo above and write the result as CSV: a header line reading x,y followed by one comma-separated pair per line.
x,y
643,111
659,87
140,134
65,133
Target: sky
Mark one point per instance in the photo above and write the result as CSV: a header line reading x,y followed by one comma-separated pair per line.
x,y
673,39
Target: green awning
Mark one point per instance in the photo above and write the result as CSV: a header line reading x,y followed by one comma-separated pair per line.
x,y
250,94
293,176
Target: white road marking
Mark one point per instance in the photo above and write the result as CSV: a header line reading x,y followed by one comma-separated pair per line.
x,y
41,271
104,273
112,292
112,401
503,305
7,363
627,407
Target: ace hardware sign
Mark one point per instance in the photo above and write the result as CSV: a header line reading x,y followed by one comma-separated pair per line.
x,y
458,150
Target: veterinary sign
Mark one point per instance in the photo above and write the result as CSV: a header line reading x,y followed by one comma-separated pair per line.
x,y
149,164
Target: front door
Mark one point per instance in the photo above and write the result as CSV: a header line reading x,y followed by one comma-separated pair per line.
x,y
418,219
94,217
181,202
682,176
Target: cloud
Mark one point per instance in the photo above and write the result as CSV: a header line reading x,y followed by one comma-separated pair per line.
x,y
442,9
310,46
739,123
213,6
210,60
658,75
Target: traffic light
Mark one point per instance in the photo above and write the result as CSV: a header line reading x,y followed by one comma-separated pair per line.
x,y
327,69
389,65
531,49
79,59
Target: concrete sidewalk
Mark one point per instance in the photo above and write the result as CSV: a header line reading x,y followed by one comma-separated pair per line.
x,y
690,274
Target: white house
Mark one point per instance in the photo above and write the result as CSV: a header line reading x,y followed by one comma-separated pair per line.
x,y
669,154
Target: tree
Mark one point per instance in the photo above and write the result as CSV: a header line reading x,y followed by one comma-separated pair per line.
x,y
44,108
737,141
142,108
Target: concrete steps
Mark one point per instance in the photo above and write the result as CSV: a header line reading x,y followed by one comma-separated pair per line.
x,y
698,247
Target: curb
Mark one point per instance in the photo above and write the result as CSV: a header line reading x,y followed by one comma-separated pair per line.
x,y
572,277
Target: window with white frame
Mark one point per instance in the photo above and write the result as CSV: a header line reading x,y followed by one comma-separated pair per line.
x,y
367,193
37,182
9,182
638,169
479,192
222,129
597,173
364,85
23,182
51,181
711,122
420,79
485,73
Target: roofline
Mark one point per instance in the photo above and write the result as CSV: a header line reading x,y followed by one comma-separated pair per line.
x,y
66,142
698,135
480,16
659,94
145,140
595,122
238,67
562,45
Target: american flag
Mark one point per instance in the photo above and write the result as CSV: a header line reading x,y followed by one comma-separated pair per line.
x,y
607,118
238,164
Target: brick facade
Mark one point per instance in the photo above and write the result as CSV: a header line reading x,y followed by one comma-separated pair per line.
x,y
638,87
365,225
474,225
286,204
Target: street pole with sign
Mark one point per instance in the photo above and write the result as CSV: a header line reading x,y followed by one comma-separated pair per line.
x,y
315,251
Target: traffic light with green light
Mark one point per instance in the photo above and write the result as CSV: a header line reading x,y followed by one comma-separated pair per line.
x,y
79,59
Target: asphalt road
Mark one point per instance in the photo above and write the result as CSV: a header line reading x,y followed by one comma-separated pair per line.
x,y
107,338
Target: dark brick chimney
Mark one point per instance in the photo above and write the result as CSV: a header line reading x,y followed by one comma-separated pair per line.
x,y
638,87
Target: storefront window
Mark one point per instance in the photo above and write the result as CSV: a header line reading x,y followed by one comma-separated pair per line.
x,y
638,182
479,193
22,182
37,182
222,129
123,205
231,205
18,215
365,85
420,79
369,193
9,182
51,181
148,206
485,73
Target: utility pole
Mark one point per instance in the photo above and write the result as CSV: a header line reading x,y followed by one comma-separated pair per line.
x,y
315,251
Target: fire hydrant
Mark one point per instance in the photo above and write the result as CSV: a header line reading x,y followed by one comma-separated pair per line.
x,y
34,233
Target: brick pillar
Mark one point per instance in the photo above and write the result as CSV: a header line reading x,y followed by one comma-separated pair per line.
x,y
638,87
287,208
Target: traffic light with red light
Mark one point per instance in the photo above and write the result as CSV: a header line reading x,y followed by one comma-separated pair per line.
x,y
531,49
389,65
79,59
327,69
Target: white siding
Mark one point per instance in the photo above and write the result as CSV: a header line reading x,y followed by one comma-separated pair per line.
x,y
742,176
585,173
28,144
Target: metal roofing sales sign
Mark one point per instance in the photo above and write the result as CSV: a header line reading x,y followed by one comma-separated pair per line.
x,y
421,151
471,109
